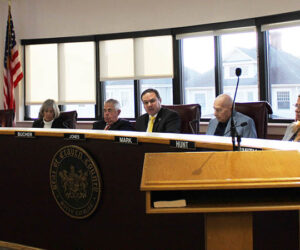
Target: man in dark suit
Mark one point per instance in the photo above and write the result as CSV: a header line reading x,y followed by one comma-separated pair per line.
x,y
157,119
111,120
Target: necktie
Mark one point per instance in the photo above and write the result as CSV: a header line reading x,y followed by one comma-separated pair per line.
x,y
150,124
107,127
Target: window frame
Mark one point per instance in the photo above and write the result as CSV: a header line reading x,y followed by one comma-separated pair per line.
x,y
263,83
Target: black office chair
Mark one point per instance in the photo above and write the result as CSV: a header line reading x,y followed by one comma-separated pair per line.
x,y
259,112
7,117
190,115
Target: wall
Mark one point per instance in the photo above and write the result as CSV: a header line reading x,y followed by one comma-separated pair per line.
x,y
60,18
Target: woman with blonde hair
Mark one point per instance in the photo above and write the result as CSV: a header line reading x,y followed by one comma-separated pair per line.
x,y
49,116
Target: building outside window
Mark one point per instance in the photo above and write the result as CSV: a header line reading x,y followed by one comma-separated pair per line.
x,y
239,50
283,41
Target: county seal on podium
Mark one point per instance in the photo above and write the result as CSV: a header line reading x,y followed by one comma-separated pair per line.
x,y
75,182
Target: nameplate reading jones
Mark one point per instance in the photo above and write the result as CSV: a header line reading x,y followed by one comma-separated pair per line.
x,y
75,182
74,136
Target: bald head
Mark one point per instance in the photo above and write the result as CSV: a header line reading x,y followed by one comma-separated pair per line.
x,y
222,107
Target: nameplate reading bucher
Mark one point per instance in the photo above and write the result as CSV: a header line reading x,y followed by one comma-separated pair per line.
x,y
126,140
74,136
183,144
24,134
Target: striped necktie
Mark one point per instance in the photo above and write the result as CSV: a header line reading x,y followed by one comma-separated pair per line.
x,y
150,124
107,127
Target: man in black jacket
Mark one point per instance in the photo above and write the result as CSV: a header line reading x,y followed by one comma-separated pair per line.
x,y
157,119
111,120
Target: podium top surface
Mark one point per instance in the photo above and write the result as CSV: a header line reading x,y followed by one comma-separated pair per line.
x,y
221,170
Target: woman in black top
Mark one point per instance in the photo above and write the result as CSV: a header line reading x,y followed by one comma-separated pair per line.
x,y
49,116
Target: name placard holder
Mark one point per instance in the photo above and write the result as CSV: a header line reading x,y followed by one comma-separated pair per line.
x,y
24,134
126,140
183,144
250,149
74,137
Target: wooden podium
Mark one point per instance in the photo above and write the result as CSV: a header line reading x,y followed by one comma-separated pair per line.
x,y
226,186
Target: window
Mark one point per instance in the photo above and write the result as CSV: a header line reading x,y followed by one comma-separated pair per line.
x,y
283,67
163,86
149,60
198,73
131,62
63,72
283,100
239,51
122,91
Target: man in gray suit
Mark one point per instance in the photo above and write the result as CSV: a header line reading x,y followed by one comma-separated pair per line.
x,y
292,131
220,125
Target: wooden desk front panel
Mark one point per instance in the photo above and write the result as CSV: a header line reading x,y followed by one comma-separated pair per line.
x,y
29,214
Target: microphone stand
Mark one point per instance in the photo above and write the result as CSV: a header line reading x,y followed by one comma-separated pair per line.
x,y
234,133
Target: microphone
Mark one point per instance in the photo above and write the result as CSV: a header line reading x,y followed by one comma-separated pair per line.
x,y
191,125
238,72
243,124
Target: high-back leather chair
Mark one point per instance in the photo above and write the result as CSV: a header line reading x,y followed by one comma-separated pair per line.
x,y
190,115
7,117
69,118
259,112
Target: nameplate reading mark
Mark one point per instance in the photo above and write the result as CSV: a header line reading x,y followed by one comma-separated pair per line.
x,y
126,140
183,144
23,134
250,149
74,137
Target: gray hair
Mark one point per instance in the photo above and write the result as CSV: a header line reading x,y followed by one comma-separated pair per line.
x,y
49,103
115,103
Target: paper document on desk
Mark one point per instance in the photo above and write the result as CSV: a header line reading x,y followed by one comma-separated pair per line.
x,y
173,203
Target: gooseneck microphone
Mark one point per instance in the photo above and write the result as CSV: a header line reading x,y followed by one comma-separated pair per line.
x,y
238,72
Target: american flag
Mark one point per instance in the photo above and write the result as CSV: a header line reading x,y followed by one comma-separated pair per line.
x,y
12,66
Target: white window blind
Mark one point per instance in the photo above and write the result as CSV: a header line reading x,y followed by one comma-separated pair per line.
x,y
77,83
216,32
194,34
64,72
41,73
149,57
272,26
153,57
116,59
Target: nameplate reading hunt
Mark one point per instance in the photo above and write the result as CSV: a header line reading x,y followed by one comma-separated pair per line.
x,y
183,144
74,137
24,134
126,140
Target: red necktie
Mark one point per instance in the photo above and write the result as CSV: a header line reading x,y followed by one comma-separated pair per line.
x,y
107,127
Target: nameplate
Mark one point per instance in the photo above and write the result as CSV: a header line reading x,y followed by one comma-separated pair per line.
x,y
74,137
126,140
250,149
24,134
183,144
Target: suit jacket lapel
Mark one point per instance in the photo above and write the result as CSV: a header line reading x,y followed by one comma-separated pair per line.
x,y
157,120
